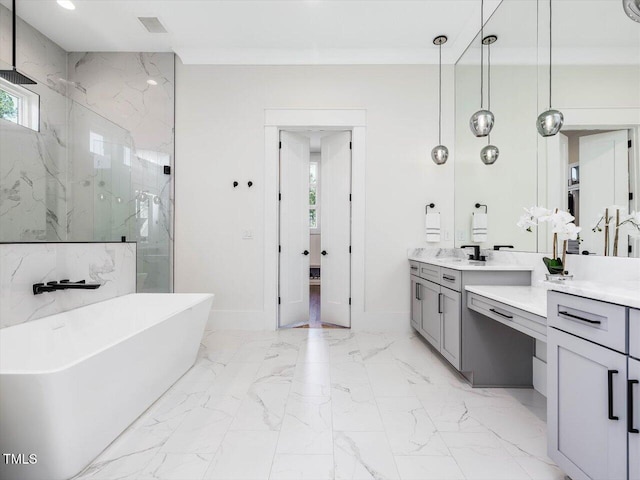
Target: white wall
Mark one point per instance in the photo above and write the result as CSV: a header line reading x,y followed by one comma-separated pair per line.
x,y
220,138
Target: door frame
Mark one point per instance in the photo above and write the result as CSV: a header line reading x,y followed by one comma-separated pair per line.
x,y
276,120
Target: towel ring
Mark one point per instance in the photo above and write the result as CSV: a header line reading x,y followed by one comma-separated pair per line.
x,y
486,209
430,205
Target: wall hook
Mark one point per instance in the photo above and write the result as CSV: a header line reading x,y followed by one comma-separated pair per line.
x,y
235,184
486,209
430,205
250,184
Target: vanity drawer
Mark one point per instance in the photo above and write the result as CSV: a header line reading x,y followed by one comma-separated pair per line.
x,y
414,268
450,278
634,333
430,272
525,322
600,322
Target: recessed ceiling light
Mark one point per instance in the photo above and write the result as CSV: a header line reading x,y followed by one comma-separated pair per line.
x,y
151,81
68,4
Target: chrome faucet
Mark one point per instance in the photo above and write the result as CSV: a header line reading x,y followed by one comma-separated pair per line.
x,y
476,253
39,288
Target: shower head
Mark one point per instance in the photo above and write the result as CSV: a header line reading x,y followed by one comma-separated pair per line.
x,y
13,75
16,77
632,9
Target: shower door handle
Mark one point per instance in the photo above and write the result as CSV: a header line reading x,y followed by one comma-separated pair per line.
x,y
306,252
324,252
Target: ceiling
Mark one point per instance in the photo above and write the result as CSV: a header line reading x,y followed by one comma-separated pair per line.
x,y
266,31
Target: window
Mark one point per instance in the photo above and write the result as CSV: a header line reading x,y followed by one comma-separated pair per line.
x,y
314,199
19,105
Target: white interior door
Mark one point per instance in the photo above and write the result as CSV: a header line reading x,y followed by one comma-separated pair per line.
x,y
604,181
294,229
335,223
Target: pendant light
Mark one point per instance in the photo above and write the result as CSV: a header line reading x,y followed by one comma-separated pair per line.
x,y
632,9
550,122
440,153
482,121
490,153
13,75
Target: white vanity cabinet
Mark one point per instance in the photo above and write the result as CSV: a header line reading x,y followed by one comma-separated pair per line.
x,y
588,373
633,418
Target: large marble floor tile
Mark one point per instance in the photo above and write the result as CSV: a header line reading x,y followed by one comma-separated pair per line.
x,y
302,467
244,456
307,426
354,408
428,468
311,380
262,408
171,466
363,456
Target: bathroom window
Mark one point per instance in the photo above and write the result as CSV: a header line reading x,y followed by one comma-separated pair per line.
x,y
19,105
314,199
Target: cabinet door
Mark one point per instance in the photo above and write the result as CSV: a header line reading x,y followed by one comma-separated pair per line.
x,y
430,294
586,404
450,338
416,305
633,410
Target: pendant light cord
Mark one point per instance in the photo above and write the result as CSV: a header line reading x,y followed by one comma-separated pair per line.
x,y
488,84
13,32
440,96
550,50
481,54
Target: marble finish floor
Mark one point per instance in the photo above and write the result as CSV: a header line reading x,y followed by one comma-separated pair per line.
x,y
316,404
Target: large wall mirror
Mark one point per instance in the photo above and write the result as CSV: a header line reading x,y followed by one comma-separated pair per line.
x,y
592,166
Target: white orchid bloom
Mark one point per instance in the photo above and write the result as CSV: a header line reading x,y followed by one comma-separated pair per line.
x,y
538,212
568,231
526,222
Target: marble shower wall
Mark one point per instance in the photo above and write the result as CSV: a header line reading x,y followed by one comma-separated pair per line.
x,y
113,265
119,87
94,172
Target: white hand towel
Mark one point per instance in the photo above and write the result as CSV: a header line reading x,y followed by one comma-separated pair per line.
x,y
479,232
432,224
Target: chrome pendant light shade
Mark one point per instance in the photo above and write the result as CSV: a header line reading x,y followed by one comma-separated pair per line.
x,y
549,123
489,154
481,123
440,153
632,9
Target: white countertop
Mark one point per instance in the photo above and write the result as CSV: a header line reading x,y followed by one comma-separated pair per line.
x,y
625,293
528,298
460,264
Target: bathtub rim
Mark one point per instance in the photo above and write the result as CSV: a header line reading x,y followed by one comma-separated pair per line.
x,y
204,297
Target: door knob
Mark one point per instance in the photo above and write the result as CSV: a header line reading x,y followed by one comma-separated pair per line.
x,y
324,252
306,252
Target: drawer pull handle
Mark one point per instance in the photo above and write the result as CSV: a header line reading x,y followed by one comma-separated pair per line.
x,y
571,315
448,278
414,268
418,293
630,384
501,314
610,374
440,310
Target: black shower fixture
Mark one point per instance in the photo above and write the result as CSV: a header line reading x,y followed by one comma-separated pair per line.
x,y
13,75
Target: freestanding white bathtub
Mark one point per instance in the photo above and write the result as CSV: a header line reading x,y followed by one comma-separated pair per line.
x,y
71,383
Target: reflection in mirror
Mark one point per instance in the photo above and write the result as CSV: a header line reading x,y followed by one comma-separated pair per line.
x,y
585,169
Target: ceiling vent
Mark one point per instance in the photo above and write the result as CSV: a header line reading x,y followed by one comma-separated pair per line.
x,y
152,24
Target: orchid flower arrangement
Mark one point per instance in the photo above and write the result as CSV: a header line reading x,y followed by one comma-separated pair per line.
x,y
562,227
621,219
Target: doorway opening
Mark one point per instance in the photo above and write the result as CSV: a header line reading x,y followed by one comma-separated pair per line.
x,y
314,280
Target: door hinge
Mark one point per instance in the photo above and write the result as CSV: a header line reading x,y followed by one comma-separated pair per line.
x,y
629,143
350,146
279,144
278,300
630,250
349,300
279,248
350,197
630,195
279,197
349,248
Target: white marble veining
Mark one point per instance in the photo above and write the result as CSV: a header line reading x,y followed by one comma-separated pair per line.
x,y
532,299
22,264
625,293
454,260
329,404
